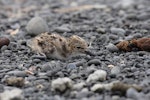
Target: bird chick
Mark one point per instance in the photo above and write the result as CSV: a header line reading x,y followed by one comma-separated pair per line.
x,y
56,46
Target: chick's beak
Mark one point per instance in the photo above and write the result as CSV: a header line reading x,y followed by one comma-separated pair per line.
x,y
88,52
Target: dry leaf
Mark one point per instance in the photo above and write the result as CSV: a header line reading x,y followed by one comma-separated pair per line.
x,y
13,32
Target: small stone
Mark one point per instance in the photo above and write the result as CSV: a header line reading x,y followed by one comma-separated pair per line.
x,y
119,31
113,36
4,48
38,57
115,97
15,81
18,73
112,48
101,30
1,88
101,87
60,74
115,70
94,61
71,66
143,16
148,72
37,25
61,84
4,41
132,93
36,60
83,93
97,75
62,29
14,94
79,86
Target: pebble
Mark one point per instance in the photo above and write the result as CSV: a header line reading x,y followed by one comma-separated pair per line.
x,y
96,76
71,66
115,97
94,61
111,47
36,60
143,16
79,86
83,93
61,84
14,94
17,73
38,57
1,88
60,74
148,72
132,93
62,29
115,70
119,31
37,25
4,41
101,30
113,36
5,47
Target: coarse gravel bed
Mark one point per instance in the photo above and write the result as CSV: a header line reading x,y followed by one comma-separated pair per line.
x,y
116,20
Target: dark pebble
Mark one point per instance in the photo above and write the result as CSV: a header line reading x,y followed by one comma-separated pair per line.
x,y
94,61
36,60
1,88
38,57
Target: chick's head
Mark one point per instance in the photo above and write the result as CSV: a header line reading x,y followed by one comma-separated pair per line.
x,y
77,44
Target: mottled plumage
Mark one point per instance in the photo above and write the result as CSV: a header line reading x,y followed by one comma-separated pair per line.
x,y
56,46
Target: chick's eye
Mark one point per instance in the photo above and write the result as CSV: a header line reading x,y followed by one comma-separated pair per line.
x,y
78,47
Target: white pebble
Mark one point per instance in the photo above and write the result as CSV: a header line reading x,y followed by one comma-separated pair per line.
x,y
11,94
61,84
79,86
101,87
97,75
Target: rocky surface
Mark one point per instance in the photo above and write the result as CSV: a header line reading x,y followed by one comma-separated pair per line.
x,y
101,22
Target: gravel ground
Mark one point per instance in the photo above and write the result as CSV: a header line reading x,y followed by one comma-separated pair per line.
x,y
27,76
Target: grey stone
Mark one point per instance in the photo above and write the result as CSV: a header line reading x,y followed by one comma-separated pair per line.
x,y
115,70
37,25
14,94
61,84
17,73
71,66
94,61
96,76
62,29
112,48
132,93
118,31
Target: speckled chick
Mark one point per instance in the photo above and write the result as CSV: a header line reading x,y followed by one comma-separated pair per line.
x,y
56,46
